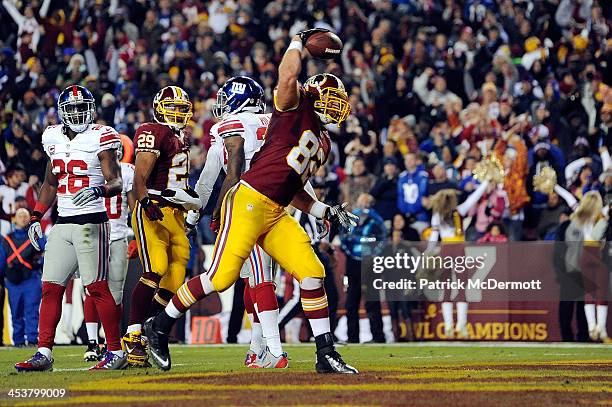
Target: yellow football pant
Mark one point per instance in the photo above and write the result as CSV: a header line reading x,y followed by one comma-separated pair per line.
x,y
249,218
163,246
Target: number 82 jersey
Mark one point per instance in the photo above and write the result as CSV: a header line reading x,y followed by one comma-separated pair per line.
x,y
171,148
295,147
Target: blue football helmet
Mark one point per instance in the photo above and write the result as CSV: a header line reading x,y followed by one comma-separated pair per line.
x,y
76,107
239,94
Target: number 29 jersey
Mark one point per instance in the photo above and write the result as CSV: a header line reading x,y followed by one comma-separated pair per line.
x,y
171,148
295,147
76,165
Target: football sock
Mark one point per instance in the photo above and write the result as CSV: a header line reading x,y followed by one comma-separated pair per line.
x,y
51,303
119,352
256,332
589,312
267,311
602,316
189,293
91,318
108,312
46,352
314,304
142,295
160,300
92,331
447,315
462,311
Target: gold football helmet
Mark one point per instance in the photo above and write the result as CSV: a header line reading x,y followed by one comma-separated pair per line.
x,y
330,98
171,106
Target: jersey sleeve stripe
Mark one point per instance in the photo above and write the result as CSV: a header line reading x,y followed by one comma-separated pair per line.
x,y
231,126
110,137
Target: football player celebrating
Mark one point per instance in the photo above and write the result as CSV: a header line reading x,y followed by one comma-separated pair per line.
x,y
158,221
253,212
118,208
82,171
236,138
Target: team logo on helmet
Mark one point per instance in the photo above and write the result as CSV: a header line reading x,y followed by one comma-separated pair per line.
x,y
330,99
238,94
171,106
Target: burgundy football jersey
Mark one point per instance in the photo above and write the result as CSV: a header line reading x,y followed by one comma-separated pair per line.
x,y
172,150
295,147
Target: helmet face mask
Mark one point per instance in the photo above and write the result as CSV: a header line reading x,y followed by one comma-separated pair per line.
x,y
172,107
330,99
76,108
239,94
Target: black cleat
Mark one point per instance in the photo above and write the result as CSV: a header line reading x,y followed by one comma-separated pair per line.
x,y
92,354
331,362
158,345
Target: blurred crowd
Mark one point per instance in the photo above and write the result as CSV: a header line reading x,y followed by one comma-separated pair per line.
x,y
434,87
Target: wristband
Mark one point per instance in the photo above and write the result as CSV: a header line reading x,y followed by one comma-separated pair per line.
x,y
318,209
295,45
40,208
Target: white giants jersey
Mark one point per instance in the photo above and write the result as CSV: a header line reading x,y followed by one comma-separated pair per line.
x,y
117,207
76,165
250,126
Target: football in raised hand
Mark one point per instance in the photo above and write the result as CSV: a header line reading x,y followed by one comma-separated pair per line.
x,y
324,45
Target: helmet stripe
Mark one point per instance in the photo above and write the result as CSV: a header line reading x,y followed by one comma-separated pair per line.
x,y
75,92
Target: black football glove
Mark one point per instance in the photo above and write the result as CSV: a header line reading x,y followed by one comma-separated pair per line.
x,y
153,212
339,215
304,35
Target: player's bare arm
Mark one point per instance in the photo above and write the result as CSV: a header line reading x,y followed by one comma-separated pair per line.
x,y
131,198
145,161
111,171
287,94
235,163
48,190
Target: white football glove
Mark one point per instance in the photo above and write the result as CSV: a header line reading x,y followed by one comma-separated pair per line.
x,y
35,233
87,195
192,219
187,198
338,214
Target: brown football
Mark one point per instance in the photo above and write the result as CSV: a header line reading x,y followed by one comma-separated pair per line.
x,y
324,45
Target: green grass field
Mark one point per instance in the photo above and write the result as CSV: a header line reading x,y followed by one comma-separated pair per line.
x,y
491,374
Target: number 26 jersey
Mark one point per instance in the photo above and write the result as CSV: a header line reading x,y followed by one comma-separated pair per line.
x,y
76,165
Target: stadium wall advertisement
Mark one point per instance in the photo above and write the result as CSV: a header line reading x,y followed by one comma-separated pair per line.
x,y
513,290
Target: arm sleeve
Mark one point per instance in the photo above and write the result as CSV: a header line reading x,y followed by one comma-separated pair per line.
x,y
435,228
109,139
573,167
567,196
208,176
420,87
606,160
473,198
128,178
44,9
12,10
